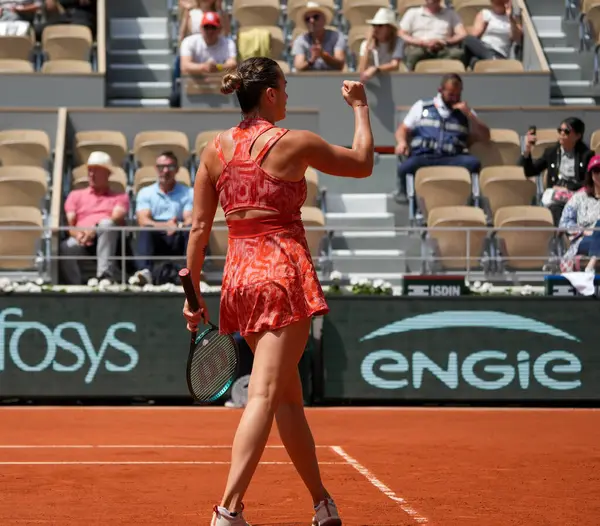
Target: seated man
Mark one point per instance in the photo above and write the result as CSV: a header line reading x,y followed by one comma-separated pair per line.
x,y
207,51
166,206
93,207
319,48
436,132
16,16
431,31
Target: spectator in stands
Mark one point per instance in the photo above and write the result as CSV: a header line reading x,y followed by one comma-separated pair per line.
x,y
319,48
580,215
436,132
493,33
95,208
431,31
80,12
165,206
207,51
565,162
382,50
17,16
192,13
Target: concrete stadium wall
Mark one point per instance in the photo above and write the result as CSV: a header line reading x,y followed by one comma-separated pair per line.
x,y
336,123
132,121
43,90
30,119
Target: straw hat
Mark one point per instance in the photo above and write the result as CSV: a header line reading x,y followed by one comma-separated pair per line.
x,y
311,7
100,159
384,17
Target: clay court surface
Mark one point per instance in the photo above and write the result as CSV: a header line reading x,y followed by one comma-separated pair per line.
x,y
127,466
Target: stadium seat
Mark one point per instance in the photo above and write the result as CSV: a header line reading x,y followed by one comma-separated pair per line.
x,y
277,38
256,12
67,42
530,244
357,12
442,186
24,148
453,244
285,67
440,66
506,186
114,143
67,66
498,66
294,12
595,141
356,35
202,140
17,47
313,217
146,175
16,65
23,186
467,10
312,187
147,146
20,244
503,149
117,180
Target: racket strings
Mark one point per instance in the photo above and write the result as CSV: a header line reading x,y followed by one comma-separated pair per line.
x,y
213,366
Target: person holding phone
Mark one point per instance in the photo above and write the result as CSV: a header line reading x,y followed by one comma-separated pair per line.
x,y
437,132
565,163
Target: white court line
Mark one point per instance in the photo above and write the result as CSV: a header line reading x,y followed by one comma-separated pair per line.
x,y
139,463
127,446
414,514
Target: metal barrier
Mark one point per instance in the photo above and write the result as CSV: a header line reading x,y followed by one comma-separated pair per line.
x,y
493,258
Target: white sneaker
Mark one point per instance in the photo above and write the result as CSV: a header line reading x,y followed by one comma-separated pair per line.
x,y
326,514
222,517
141,278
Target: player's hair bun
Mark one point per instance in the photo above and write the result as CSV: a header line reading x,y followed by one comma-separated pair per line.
x,y
231,83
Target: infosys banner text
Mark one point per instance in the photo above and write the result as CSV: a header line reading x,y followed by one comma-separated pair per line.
x,y
466,349
101,345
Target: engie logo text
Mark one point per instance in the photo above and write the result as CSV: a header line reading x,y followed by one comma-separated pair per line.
x,y
555,368
65,348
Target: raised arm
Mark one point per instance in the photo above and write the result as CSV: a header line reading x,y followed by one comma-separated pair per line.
x,y
336,160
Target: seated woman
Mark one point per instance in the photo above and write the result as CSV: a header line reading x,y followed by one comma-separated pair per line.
x,y
580,215
493,33
565,162
382,50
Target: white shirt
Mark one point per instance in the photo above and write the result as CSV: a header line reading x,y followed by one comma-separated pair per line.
x,y
420,23
381,54
497,33
195,47
416,112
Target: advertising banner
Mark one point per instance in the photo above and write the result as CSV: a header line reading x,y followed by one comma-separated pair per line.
x,y
461,349
94,344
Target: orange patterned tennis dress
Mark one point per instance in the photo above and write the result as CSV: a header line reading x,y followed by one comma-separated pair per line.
x,y
269,280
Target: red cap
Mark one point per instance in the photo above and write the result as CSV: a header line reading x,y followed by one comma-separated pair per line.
x,y
211,18
594,163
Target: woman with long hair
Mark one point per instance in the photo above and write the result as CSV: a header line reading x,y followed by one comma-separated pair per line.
x,y
270,288
383,48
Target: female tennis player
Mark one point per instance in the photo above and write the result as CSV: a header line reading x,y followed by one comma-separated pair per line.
x,y
270,288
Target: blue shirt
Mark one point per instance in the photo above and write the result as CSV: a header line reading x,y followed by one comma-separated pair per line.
x,y
164,206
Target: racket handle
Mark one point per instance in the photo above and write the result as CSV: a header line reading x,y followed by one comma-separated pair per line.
x,y
188,288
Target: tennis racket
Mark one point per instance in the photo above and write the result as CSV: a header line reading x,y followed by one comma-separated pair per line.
x,y
212,364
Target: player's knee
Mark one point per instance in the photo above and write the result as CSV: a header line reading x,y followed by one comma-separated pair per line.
x,y
266,391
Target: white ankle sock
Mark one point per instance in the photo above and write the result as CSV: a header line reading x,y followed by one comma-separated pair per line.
x,y
226,512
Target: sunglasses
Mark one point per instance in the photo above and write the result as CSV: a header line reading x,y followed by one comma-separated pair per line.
x,y
170,167
210,28
310,18
566,131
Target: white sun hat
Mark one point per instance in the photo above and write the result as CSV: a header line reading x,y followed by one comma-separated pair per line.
x,y
383,17
311,7
100,159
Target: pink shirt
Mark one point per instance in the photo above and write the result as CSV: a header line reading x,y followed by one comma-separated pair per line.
x,y
89,208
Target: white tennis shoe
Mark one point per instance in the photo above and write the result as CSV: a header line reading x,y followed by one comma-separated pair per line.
x,y
326,514
222,517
